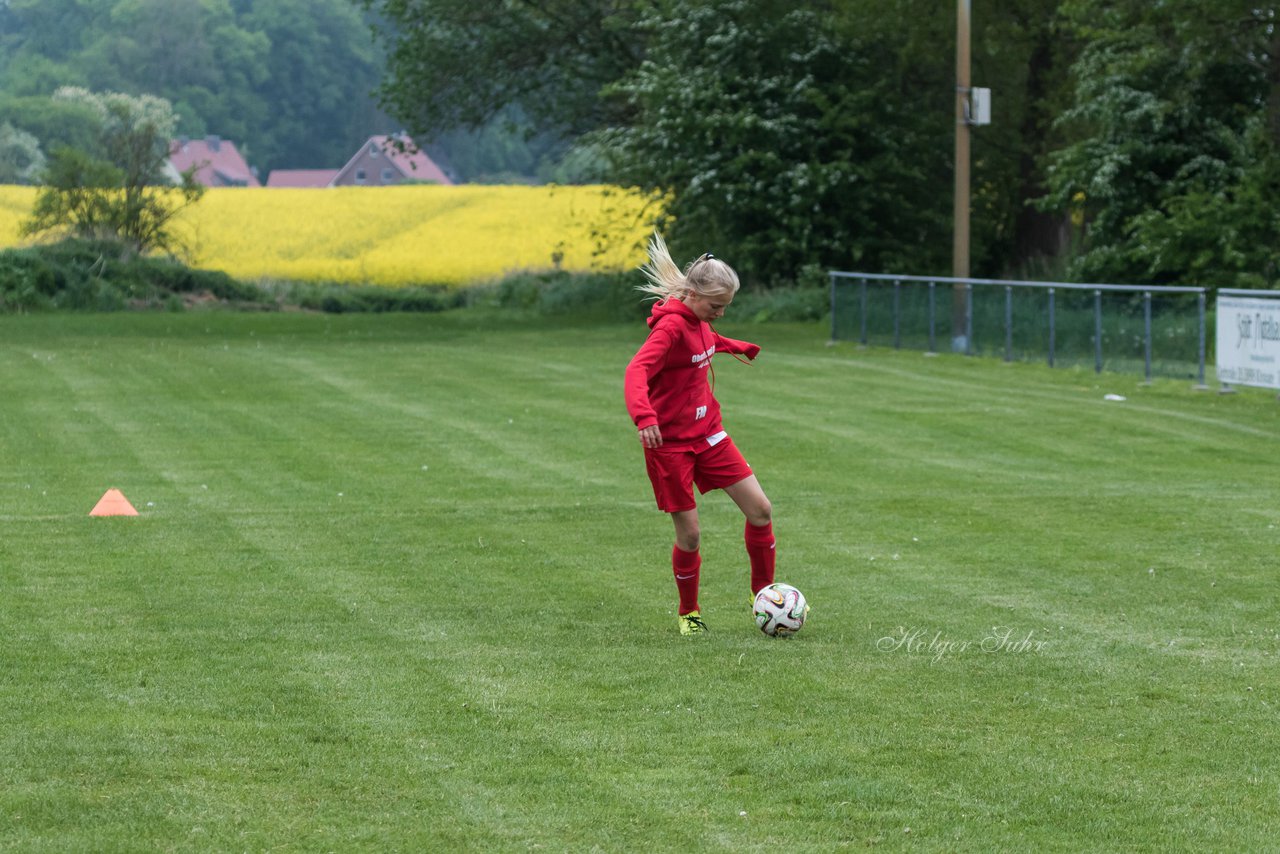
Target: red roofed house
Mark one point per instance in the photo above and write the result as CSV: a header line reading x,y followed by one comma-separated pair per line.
x,y
217,162
380,163
301,177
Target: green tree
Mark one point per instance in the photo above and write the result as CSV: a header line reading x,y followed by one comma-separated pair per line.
x,y
1173,161
509,149
193,53
21,159
321,68
476,57
290,81
775,137
53,122
120,191
48,30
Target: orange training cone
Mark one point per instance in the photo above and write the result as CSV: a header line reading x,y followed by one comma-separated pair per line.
x,y
113,503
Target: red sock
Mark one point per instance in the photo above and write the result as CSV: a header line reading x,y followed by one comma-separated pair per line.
x,y
760,549
685,566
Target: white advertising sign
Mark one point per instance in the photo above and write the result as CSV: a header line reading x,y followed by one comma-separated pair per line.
x,y
1248,341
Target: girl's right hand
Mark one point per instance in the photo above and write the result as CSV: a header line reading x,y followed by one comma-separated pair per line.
x,y
651,436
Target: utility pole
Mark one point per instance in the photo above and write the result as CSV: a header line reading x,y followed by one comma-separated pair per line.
x,y
960,244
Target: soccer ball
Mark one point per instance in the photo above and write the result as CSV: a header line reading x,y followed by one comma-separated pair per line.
x,y
780,610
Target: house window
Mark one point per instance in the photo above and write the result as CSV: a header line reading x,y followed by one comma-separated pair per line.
x,y
373,149
388,176
360,176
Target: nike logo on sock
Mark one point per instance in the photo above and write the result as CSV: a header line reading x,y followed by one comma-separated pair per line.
x,y
683,577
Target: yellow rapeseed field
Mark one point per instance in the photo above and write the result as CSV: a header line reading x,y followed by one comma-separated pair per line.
x,y
15,206
419,234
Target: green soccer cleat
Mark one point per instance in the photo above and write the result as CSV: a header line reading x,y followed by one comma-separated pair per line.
x,y
691,624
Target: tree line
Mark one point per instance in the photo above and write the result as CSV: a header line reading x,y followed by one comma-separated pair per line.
x,y
290,80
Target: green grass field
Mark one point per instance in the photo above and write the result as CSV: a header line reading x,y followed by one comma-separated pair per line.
x,y
398,585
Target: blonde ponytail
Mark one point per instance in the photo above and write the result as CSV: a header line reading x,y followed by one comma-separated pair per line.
x,y
665,278
706,276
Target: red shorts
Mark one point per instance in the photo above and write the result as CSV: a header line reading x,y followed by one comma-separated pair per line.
x,y
673,473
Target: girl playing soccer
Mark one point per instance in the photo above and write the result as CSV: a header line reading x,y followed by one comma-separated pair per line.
x,y
671,401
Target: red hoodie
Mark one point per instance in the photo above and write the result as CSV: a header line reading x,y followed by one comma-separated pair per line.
x,y
666,382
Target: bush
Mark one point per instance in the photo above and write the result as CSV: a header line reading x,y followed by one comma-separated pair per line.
x,y
346,299
597,296
95,275
26,282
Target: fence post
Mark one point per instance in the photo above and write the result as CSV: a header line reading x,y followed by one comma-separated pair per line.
x,y
1008,323
1146,331
968,318
932,343
897,323
832,301
1052,328
863,300
1202,338
1097,332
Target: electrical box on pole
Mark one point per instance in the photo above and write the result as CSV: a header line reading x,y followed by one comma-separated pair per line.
x,y
979,106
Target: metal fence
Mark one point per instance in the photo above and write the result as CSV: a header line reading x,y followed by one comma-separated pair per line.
x,y
1160,330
